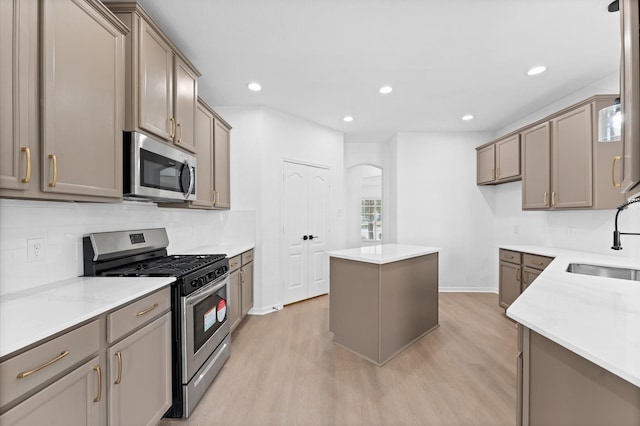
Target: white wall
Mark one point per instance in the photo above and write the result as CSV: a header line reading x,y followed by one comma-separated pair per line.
x,y
63,224
267,138
440,205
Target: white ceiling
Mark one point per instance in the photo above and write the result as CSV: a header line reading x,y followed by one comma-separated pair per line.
x,y
323,59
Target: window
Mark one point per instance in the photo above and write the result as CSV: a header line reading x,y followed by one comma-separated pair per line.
x,y
371,219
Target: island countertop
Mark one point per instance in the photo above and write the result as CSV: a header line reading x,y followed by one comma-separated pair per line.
x,y
383,253
597,318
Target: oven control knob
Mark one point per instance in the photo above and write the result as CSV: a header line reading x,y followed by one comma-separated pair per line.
x,y
194,283
202,281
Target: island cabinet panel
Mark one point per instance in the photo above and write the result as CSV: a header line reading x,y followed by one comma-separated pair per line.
x,y
378,310
413,280
354,306
559,387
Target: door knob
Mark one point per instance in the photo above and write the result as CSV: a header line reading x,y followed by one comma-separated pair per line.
x,y
311,237
304,237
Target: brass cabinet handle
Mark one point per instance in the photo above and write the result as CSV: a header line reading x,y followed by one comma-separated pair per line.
x,y
179,137
546,194
613,168
493,174
213,193
518,275
119,379
241,276
27,177
553,198
45,365
524,277
173,128
54,181
537,263
146,311
497,172
508,257
99,371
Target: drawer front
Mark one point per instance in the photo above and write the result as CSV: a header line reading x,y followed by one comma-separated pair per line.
x,y
24,372
137,314
535,261
235,262
510,256
247,257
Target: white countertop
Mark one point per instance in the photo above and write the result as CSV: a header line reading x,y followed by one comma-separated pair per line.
x,y
35,314
230,249
384,253
597,318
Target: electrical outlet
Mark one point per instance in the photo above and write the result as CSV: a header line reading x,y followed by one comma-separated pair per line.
x,y
35,250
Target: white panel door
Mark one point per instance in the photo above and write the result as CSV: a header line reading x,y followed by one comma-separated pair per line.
x,y
304,231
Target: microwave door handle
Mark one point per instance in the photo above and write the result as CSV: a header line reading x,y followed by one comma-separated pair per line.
x,y
192,179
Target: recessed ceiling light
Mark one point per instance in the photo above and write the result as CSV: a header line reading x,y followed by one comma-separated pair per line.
x,y
537,70
348,118
467,117
385,90
255,87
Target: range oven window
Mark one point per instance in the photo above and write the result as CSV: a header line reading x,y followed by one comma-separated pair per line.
x,y
209,315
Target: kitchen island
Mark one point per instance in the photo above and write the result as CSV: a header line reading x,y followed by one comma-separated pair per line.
x,y
382,298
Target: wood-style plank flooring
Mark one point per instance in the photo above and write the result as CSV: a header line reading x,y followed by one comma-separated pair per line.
x,y
285,370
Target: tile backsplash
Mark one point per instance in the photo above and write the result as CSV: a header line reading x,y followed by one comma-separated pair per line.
x,y
63,224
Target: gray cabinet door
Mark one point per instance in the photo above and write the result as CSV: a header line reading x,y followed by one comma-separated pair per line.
x,y
139,387
246,274
155,85
221,158
630,98
204,147
485,165
72,400
82,100
18,95
572,184
509,285
528,276
186,97
508,158
536,167
234,301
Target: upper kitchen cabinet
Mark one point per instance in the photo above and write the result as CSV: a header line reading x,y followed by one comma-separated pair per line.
x,y
221,160
19,143
162,85
499,161
564,165
212,173
630,96
69,55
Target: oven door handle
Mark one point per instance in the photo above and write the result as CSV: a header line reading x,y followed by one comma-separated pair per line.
x,y
194,298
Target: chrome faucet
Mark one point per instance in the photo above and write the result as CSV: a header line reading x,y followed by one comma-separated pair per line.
x,y
616,233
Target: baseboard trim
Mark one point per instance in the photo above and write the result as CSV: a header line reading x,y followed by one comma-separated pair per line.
x,y
265,310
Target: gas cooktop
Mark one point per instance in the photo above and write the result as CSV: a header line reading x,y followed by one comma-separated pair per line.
x,y
176,265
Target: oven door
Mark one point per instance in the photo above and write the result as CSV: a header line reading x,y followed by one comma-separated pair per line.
x,y
204,325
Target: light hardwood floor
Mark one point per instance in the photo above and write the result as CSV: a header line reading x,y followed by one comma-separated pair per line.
x,y
285,370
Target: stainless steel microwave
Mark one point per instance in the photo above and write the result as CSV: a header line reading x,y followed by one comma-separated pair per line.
x,y
156,171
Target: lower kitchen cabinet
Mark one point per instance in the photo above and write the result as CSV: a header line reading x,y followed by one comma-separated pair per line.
x,y
72,400
113,370
140,375
241,291
517,271
556,386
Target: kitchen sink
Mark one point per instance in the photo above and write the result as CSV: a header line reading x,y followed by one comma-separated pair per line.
x,y
605,271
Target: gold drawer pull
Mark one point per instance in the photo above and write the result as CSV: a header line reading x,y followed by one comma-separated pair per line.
x,y
119,379
99,371
546,194
518,275
54,181
27,177
537,263
553,198
146,311
613,168
508,257
45,365
179,137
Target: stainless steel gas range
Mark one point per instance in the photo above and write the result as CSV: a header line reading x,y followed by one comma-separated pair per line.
x,y
201,343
